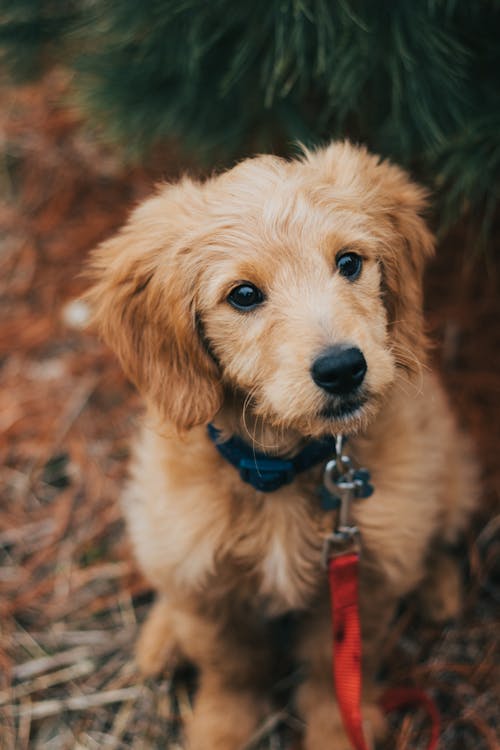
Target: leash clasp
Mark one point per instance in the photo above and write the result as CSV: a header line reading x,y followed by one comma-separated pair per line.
x,y
342,484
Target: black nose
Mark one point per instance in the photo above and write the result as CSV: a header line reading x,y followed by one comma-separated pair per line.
x,y
339,370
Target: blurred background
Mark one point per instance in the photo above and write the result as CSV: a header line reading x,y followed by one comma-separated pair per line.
x,y
99,99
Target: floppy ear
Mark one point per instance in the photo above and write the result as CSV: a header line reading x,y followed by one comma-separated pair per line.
x,y
143,304
403,265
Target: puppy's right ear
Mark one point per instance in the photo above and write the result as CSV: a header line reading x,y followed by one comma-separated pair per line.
x,y
143,304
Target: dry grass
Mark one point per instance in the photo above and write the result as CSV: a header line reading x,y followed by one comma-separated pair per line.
x,y
70,594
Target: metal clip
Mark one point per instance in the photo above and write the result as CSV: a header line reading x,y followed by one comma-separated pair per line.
x,y
335,470
339,483
342,484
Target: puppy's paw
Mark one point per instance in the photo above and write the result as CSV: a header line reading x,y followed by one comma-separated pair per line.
x,y
157,648
440,596
224,720
375,722
325,728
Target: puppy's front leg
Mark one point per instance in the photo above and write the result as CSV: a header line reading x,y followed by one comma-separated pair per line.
x,y
234,662
157,646
316,700
224,717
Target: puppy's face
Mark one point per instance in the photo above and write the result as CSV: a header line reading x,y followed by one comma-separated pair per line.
x,y
289,295
294,284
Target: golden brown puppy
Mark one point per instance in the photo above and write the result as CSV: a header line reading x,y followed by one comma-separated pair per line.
x,y
281,301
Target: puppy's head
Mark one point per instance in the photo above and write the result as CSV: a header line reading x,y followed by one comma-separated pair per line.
x,y
294,284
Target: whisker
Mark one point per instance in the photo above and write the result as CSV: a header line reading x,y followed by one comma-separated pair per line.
x,y
246,405
252,433
408,361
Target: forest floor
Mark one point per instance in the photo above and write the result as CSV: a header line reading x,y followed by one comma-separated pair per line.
x,y
71,598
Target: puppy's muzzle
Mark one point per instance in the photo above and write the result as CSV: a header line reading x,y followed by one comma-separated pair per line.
x,y
339,371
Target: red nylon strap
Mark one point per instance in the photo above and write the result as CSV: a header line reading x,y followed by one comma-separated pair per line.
x,y
343,579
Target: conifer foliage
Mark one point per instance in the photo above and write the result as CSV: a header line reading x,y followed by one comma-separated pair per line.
x,y
417,81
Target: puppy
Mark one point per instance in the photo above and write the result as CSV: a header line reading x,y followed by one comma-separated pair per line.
x,y
280,301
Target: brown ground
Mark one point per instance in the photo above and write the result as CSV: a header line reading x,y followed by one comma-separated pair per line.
x,y
70,596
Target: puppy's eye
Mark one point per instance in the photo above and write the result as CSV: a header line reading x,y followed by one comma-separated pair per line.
x,y
349,265
245,297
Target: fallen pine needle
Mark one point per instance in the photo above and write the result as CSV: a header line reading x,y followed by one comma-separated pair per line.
x,y
42,709
45,663
81,669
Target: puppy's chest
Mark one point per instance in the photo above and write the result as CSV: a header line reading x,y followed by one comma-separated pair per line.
x,y
275,551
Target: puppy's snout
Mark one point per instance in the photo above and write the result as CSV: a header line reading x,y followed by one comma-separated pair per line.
x,y
339,370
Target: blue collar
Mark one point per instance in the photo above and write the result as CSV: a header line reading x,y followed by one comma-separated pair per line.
x,y
267,473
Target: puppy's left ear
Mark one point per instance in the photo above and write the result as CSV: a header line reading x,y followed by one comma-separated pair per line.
x,y
403,264
143,304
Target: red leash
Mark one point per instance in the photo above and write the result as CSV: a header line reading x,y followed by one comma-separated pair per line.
x,y
342,484
343,579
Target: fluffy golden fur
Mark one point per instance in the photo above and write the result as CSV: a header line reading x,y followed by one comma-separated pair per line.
x,y
226,560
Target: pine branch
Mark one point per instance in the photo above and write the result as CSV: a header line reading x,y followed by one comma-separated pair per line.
x,y
417,82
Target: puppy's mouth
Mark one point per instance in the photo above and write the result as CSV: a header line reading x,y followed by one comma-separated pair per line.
x,y
343,409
